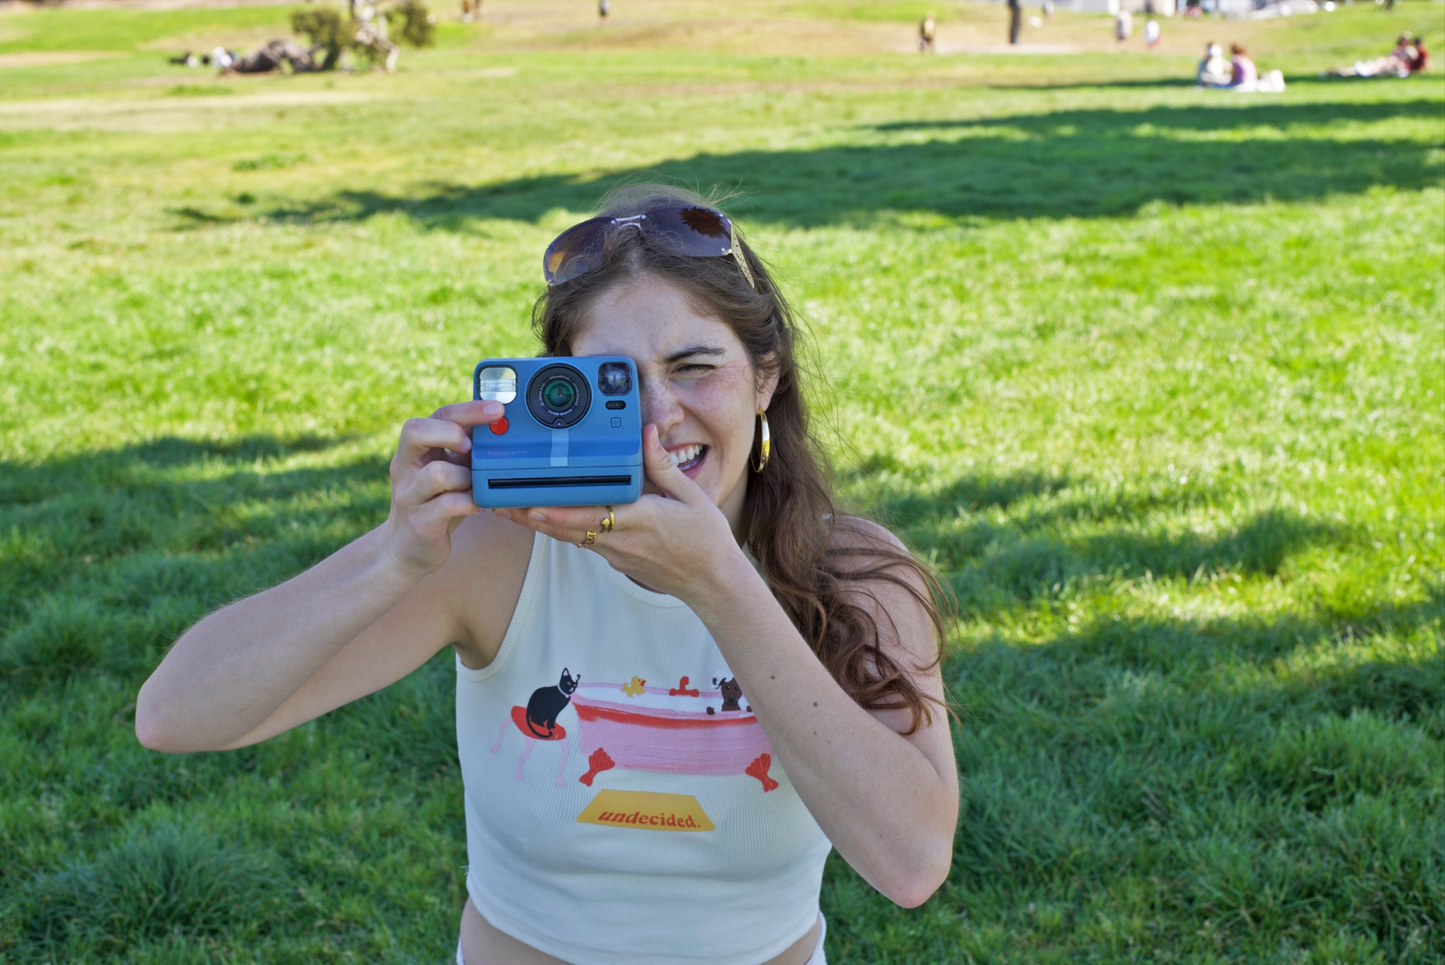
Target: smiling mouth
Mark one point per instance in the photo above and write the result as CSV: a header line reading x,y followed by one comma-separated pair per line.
x,y
688,457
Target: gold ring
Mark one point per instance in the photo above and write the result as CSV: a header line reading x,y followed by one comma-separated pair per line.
x,y
608,523
591,538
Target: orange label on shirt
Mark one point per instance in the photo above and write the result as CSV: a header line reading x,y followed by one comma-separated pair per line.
x,y
647,811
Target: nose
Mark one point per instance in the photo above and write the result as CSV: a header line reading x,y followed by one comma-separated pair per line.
x,y
660,405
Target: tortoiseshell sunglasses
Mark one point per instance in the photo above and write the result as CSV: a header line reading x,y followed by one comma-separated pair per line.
x,y
685,228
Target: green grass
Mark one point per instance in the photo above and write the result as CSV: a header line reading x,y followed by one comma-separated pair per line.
x,y
1154,376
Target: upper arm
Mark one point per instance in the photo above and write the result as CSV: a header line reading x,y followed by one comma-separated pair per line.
x,y
467,603
909,638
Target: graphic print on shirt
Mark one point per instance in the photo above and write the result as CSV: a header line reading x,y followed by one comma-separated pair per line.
x,y
681,729
538,720
546,703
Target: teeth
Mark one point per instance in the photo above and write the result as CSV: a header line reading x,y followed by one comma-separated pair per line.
x,y
685,454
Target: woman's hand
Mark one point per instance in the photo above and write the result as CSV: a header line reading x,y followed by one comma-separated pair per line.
x,y
677,542
431,484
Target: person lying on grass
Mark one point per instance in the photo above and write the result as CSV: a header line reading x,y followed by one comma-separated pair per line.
x,y
1405,58
667,712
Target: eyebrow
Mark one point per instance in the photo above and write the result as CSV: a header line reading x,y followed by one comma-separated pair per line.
x,y
692,350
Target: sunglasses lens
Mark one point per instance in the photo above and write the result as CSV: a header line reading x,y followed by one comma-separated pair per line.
x,y
707,223
692,230
574,252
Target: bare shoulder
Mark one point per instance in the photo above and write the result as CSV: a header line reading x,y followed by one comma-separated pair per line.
x,y
885,581
870,555
883,575
484,575
859,533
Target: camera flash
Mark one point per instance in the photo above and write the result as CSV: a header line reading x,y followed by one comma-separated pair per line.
x,y
497,383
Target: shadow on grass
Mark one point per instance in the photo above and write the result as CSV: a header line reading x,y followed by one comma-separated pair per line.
x,y
1196,648
1232,762
1136,83
1080,163
107,556
1057,535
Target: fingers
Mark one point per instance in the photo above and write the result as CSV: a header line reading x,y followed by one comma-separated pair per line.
x,y
455,458
560,523
478,413
449,505
434,478
569,523
572,519
429,524
662,471
448,428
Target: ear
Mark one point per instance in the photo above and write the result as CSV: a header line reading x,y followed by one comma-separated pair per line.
x,y
767,384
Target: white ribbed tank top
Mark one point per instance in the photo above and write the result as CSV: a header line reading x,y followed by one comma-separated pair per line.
x,y
622,807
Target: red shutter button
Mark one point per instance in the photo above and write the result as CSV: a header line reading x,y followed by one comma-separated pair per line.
x,y
500,426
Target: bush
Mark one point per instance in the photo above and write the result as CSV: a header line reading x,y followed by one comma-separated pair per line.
x,y
324,27
418,29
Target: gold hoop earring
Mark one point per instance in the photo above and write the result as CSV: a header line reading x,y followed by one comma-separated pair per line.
x,y
765,444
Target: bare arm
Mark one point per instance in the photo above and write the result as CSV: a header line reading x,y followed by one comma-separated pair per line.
x,y
349,626
362,618
888,801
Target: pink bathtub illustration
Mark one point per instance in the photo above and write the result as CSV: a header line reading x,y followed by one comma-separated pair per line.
x,y
668,729
677,730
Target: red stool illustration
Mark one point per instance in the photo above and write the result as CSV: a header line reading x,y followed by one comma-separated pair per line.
x,y
558,733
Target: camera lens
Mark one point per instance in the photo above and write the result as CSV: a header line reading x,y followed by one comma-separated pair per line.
x,y
558,396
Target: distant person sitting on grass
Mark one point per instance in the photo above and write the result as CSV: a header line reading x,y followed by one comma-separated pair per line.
x,y
1214,69
1238,74
669,712
1405,59
1242,71
1421,61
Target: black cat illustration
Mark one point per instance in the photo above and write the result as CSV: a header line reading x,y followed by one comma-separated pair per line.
x,y
547,702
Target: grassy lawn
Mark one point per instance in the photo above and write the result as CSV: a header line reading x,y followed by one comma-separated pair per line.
x,y
1155,376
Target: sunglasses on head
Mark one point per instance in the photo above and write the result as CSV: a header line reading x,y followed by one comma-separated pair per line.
x,y
683,228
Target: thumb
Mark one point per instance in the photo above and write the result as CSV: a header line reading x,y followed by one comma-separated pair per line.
x,y
661,469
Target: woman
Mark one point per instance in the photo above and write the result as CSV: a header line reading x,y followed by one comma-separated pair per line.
x,y
1243,73
668,711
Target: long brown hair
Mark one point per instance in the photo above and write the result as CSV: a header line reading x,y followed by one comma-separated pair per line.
x,y
816,561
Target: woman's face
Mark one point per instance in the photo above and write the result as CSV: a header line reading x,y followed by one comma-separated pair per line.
x,y
697,383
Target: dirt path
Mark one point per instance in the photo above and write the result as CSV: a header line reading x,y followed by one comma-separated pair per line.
x,y
8,5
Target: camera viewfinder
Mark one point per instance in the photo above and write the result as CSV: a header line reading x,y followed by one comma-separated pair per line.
x,y
614,378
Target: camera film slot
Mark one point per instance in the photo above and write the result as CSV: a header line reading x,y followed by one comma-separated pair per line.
x,y
542,482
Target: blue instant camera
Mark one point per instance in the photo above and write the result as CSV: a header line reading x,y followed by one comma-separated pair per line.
x,y
571,436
